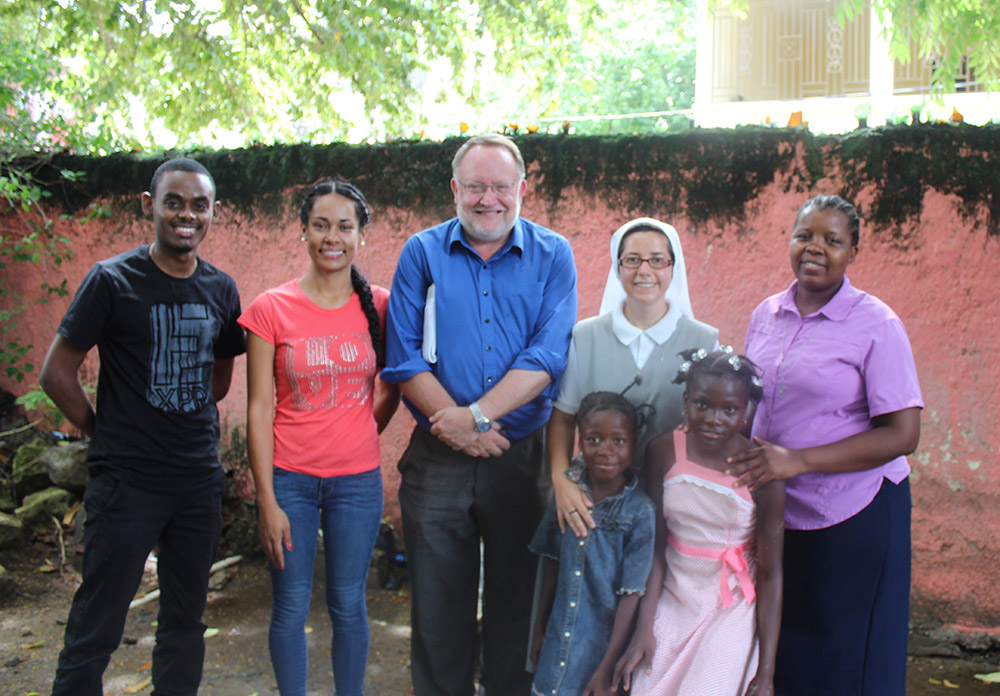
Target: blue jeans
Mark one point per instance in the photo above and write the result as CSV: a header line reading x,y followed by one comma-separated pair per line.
x,y
348,509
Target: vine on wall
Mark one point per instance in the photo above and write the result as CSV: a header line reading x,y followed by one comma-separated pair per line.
x,y
704,174
28,236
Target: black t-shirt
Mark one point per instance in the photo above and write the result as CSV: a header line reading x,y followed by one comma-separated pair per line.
x,y
158,338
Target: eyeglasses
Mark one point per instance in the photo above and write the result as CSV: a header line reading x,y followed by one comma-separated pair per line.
x,y
478,189
655,262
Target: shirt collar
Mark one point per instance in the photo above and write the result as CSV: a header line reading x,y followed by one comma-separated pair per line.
x,y
514,243
659,332
836,309
577,473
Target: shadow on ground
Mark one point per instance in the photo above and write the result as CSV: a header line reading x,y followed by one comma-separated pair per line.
x,y
34,608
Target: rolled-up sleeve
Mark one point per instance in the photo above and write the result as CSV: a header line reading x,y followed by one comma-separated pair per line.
x,y
638,554
889,370
548,346
405,323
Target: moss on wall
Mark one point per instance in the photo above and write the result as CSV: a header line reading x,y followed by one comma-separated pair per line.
x,y
704,174
902,163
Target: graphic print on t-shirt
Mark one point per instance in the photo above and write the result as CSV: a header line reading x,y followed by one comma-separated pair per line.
x,y
181,359
329,371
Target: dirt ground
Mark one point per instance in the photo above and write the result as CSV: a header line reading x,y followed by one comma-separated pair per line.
x,y
33,611
236,658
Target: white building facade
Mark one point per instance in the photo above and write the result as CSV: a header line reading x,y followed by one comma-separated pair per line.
x,y
787,56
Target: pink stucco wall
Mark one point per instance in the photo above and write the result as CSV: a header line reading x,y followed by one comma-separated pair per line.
x,y
940,276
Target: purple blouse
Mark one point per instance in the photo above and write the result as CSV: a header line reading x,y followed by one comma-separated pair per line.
x,y
826,375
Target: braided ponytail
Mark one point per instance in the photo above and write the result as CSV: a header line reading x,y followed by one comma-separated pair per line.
x,y
360,285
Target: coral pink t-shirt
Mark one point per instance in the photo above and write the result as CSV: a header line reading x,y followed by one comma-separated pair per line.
x,y
324,376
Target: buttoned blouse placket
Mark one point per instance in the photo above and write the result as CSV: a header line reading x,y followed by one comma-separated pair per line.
x,y
575,588
775,388
780,378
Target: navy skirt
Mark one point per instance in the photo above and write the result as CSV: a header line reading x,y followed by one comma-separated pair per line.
x,y
846,603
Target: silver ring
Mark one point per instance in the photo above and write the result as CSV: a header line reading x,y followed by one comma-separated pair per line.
x,y
574,512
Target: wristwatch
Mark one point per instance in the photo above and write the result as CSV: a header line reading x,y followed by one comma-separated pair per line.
x,y
482,422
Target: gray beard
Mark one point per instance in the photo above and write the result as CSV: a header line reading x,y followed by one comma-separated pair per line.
x,y
476,233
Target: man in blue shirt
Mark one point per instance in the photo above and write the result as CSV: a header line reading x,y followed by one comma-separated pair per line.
x,y
479,325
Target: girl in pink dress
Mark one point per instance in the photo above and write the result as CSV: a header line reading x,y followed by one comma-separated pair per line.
x,y
712,629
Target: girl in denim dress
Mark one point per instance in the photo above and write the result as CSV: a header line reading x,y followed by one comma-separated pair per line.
x,y
591,585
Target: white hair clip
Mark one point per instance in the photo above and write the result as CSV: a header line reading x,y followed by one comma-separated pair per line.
x,y
735,361
685,367
728,350
757,382
699,355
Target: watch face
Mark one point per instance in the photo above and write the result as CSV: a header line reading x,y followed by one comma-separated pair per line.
x,y
483,426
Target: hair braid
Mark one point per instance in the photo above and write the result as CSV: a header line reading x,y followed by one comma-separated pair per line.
x,y
721,363
360,285
608,401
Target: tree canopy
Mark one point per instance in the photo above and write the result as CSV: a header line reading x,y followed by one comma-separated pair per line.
x,y
638,59
288,70
953,35
102,74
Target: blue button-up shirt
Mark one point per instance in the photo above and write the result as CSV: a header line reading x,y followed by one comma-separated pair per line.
x,y
614,559
515,311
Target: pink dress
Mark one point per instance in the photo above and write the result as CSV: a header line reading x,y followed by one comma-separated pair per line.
x,y
705,626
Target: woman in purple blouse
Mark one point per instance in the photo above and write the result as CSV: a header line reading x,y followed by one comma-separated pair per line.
x,y
841,409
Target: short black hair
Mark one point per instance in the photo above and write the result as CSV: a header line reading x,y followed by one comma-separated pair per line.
x,y
840,205
178,164
608,401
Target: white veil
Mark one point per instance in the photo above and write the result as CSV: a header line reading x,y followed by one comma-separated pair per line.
x,y
677,293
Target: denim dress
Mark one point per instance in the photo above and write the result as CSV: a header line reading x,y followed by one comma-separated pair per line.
x,y
614,559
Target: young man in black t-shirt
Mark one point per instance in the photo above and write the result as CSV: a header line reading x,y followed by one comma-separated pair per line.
x,y
164,323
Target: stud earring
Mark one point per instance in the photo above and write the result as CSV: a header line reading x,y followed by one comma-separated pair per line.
x,y
362,242
302,238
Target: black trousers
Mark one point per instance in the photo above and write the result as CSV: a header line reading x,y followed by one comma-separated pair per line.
x,y
844,622
123,525
450,503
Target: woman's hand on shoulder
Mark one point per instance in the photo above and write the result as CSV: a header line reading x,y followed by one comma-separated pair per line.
x,y
572,507
764,463
275,533
639,653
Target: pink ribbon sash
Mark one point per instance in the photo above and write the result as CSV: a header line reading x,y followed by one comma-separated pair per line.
x,y
732,558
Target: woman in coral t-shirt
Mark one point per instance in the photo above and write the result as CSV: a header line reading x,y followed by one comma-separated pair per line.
x,y
315,411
